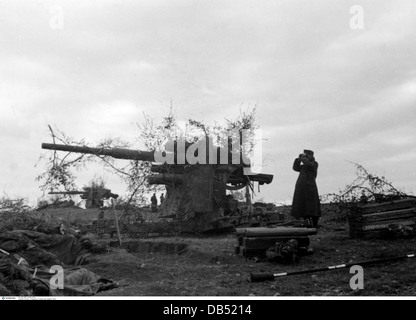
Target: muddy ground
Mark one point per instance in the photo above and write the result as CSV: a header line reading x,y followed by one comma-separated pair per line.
x,y
209,266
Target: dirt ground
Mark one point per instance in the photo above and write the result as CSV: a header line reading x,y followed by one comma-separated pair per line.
x,y
209,266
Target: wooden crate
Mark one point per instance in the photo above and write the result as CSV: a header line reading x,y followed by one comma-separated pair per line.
x,y
387,206
375,223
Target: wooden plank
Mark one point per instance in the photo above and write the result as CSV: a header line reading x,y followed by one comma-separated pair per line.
x,y
387,206
116,221
264,243
384,225
276,232
389,215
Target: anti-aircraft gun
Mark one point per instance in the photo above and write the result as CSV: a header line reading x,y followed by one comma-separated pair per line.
x,y
196,176
94,196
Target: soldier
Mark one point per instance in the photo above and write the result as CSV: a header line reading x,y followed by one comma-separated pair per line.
x,y
306,203
286,252
153,199
162,199
101,223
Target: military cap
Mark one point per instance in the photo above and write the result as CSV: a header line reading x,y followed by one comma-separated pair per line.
x,y
308,152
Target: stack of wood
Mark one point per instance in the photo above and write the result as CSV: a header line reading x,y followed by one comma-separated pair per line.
x,y
254,242
375,220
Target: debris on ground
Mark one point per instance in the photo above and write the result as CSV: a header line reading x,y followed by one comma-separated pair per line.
x,y
32,261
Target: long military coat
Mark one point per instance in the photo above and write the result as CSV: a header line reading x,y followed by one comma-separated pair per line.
x,y
306,201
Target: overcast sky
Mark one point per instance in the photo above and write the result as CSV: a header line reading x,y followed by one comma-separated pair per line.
x,y
321,77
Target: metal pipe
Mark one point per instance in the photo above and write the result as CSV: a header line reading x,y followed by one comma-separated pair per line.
x,y
265,276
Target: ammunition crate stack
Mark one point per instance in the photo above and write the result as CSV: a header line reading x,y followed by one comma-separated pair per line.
x,y
374,220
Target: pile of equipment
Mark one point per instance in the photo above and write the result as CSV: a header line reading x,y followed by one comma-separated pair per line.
x,y
274,242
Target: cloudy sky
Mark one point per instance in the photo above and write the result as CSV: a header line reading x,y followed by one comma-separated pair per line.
x,y
337,77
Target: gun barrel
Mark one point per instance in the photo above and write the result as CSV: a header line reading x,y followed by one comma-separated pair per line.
x,y
261,178
118,153
67,192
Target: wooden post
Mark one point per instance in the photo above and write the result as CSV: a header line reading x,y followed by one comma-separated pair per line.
x,y
116,221
248,202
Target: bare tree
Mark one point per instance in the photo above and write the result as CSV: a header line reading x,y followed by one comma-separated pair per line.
x,y
365,183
